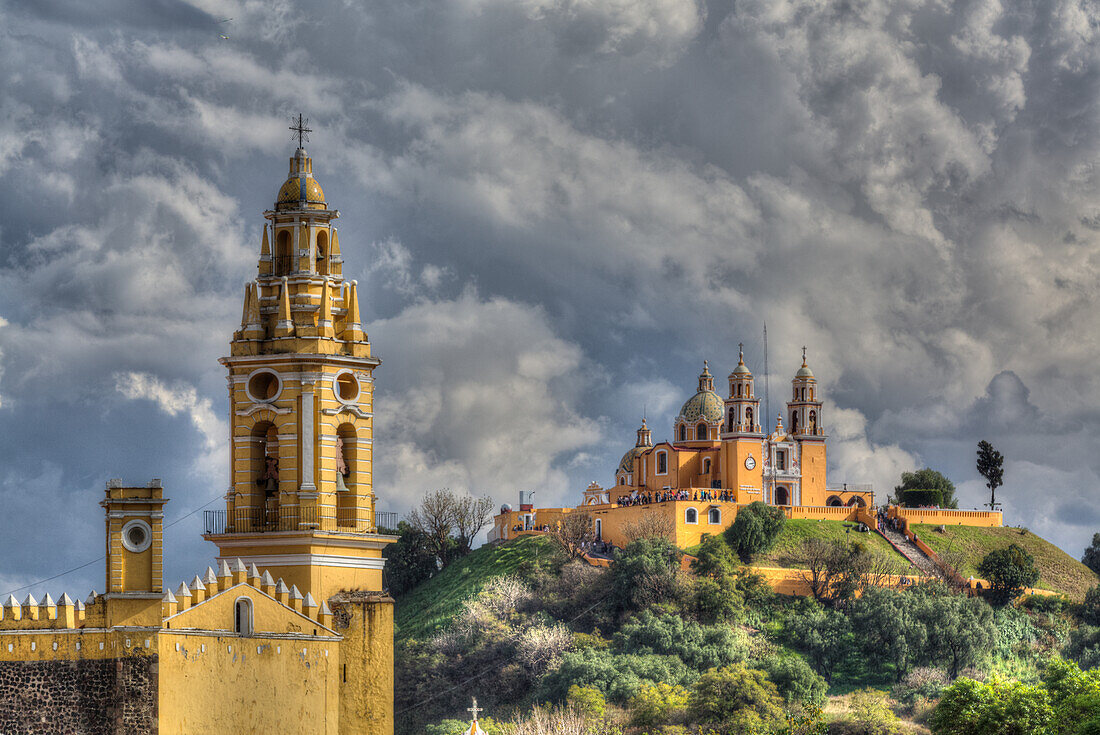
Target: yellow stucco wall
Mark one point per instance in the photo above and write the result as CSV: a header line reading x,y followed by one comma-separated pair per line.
x,y
232,684
946,517
367,683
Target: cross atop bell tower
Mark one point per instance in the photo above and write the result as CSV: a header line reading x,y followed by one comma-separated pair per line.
x,y
302,130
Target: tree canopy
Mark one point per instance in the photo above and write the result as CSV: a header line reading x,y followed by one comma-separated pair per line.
x,y
990,466
926,479
755,529
1009,571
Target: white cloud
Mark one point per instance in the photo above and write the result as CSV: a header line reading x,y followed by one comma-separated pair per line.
x,y
479,395
185,399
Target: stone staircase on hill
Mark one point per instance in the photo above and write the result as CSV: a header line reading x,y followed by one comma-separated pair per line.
x,y
911,552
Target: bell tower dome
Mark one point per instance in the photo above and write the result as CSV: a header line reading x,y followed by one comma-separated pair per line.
x,y
301,387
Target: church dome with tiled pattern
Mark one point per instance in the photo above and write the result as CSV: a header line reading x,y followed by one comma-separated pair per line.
x,y
706,404
300,189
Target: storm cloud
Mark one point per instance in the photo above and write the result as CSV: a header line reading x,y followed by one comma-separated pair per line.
x,y
556,210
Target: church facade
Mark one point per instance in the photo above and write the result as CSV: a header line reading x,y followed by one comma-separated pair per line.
x,y
718,459
289,630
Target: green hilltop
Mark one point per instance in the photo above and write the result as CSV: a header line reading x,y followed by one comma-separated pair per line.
x,y
1058,571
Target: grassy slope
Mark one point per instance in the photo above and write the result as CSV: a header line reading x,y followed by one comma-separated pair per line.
x,y
1058,570
786,551
431,605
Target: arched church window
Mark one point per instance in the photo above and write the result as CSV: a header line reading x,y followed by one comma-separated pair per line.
x,y
701,432
706,466
794,422
813,422
683,432
739,389
691,516
748,418
714,516
730,421
662,463
242,616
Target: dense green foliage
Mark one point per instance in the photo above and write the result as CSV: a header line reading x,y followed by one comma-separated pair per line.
x,y
927,480
1091,557
409,561
644,647
645,573
755,529
743,700
1010,571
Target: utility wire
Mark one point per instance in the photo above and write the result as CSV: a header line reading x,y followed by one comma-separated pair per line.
x,y
101,558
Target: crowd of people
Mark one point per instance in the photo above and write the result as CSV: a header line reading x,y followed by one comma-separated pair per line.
x,y
668,496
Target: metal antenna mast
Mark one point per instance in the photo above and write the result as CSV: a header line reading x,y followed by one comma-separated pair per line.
x,y
767,386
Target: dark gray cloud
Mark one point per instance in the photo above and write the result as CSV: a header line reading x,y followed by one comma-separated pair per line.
x,y
555,209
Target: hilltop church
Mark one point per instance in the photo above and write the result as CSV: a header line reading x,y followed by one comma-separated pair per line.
x,y
720,458
289,630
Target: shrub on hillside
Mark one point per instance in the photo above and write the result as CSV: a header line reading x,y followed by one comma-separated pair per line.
x,y
994,708
796,681
699,646
714,558
588,701
658,704
618,676
1010,571
1090,608
646,573
755,529
740,699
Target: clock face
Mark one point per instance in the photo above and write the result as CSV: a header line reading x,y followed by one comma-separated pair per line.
x,y
749,462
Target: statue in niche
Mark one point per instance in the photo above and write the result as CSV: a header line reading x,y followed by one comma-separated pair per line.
x,y
342,469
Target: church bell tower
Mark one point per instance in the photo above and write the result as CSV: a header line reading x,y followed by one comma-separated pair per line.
x,y
301,502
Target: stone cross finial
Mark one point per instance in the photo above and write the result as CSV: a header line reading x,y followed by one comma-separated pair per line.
x,y
475,709
803,354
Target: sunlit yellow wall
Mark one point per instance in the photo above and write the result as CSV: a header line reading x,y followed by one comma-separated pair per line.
x,y
231,684
366,693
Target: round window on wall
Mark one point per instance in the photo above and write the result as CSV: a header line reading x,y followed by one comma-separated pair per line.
x,y
347,387
264,386
137,536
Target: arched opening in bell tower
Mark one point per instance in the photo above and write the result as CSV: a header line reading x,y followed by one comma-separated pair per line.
x,y
282,254
263,510
346,496
322,252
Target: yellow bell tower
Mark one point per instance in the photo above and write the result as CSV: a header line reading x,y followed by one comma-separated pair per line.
x,y
301,502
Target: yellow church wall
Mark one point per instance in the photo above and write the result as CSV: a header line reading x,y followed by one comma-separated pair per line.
x,y
214,683
367,683
814,491
76,644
